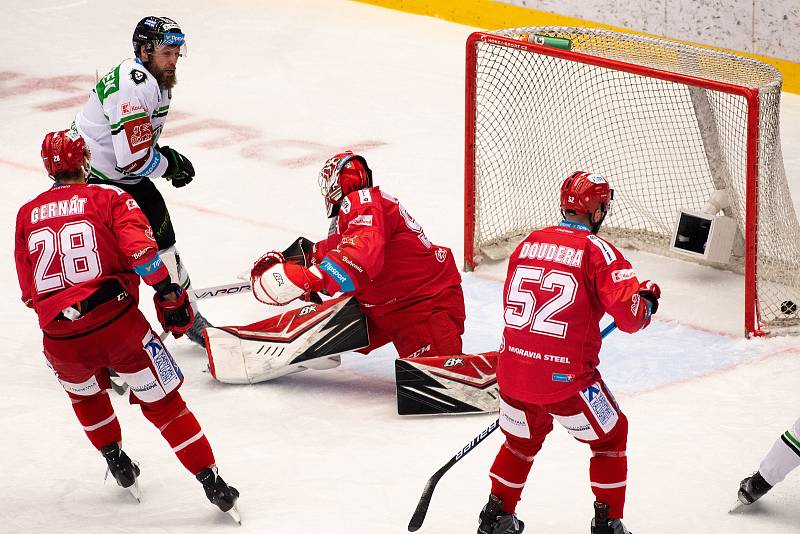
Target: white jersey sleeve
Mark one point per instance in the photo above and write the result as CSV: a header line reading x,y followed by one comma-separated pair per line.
x,y
121,122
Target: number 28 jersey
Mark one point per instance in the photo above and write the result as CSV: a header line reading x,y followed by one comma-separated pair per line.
x,y
561,281
72,239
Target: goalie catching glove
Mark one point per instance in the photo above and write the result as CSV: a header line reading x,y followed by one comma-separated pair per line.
x,y
173,309
276,282
180,170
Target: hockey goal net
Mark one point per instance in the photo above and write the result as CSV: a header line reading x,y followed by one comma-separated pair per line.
x,y
667,123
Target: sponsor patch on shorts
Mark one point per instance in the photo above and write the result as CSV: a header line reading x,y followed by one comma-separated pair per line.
x,y
513,421
603,410
84,389
577,425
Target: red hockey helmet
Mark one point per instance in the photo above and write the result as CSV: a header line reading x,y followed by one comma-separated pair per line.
x,y
64,153
341,175
584,193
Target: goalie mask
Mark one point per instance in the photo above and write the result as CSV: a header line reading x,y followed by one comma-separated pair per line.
x,y
341,175
65,155
584,193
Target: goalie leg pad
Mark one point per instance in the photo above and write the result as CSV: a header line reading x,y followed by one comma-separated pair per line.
x,y
462,383
309,337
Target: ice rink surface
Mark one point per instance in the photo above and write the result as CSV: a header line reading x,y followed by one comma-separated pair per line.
x,y
268,91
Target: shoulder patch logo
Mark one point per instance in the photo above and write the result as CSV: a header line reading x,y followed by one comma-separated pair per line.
x,y
138,76
345,207
364,196
441,255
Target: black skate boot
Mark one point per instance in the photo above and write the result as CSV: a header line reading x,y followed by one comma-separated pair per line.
x,y
601,524
753,488
195,332
494,521
219,493
122,468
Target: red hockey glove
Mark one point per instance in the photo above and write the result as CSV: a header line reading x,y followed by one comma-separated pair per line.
x,y
173,309
282,283
650,291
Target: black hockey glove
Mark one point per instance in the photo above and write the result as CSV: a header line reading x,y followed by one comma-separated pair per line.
x,y
180,170
299,252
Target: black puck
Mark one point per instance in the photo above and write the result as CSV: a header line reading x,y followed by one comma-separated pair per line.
x,y
788,307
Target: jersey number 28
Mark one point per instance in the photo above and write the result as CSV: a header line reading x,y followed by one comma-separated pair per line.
x,y
521,306
76,248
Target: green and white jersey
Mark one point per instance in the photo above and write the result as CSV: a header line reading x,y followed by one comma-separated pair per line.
x,y
121,122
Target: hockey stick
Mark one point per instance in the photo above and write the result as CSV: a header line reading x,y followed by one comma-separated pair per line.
x,y
418,517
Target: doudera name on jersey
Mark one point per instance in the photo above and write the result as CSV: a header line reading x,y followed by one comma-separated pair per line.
x,y
549,252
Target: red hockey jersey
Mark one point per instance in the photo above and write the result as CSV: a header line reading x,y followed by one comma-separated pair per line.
x,y
73,238
561,280
378,253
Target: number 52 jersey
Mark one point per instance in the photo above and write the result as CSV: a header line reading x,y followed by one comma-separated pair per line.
x,y
561,281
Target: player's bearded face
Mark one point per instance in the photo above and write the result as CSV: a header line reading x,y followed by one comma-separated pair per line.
x,y
162,65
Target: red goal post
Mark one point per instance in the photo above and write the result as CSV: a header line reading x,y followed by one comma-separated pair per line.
x,y
668,124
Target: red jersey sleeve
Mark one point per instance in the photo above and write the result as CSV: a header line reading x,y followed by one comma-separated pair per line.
x,y
362,235
23,261
135,239
617,285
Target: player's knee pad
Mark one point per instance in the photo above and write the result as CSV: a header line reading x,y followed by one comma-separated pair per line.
x,y
159,376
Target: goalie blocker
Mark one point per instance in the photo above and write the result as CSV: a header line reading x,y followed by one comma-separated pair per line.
x,y
313,337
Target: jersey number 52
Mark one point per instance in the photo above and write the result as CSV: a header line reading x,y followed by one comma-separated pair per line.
x,y
521,305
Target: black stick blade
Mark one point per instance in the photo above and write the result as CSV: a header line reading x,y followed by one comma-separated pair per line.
x,y
424,502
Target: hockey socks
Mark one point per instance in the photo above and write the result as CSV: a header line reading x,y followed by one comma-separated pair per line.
x,y
180,428
510,471
97,417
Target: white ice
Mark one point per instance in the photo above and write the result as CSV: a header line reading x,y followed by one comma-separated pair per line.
x,y
268,91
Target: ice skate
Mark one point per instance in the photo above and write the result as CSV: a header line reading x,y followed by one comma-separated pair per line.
x,y
753,488
123,469
494,521
219,493
195,332
601,524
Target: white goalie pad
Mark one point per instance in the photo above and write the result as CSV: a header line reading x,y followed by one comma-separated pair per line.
x,y
309,337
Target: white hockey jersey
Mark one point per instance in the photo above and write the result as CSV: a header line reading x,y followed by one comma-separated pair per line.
x,y
121,122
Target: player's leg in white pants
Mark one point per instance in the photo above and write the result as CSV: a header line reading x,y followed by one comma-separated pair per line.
x,y
783,457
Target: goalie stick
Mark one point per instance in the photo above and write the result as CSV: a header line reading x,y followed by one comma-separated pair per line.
x,y
418,517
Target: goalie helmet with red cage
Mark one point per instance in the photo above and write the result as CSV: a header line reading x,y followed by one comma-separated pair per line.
x,y
584,193
65,155
341,175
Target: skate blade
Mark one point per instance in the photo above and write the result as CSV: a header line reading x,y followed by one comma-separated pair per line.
x,y
135,491
235,515
738,508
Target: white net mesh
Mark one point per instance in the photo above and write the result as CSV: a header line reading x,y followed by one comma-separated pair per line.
x,y
664,146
